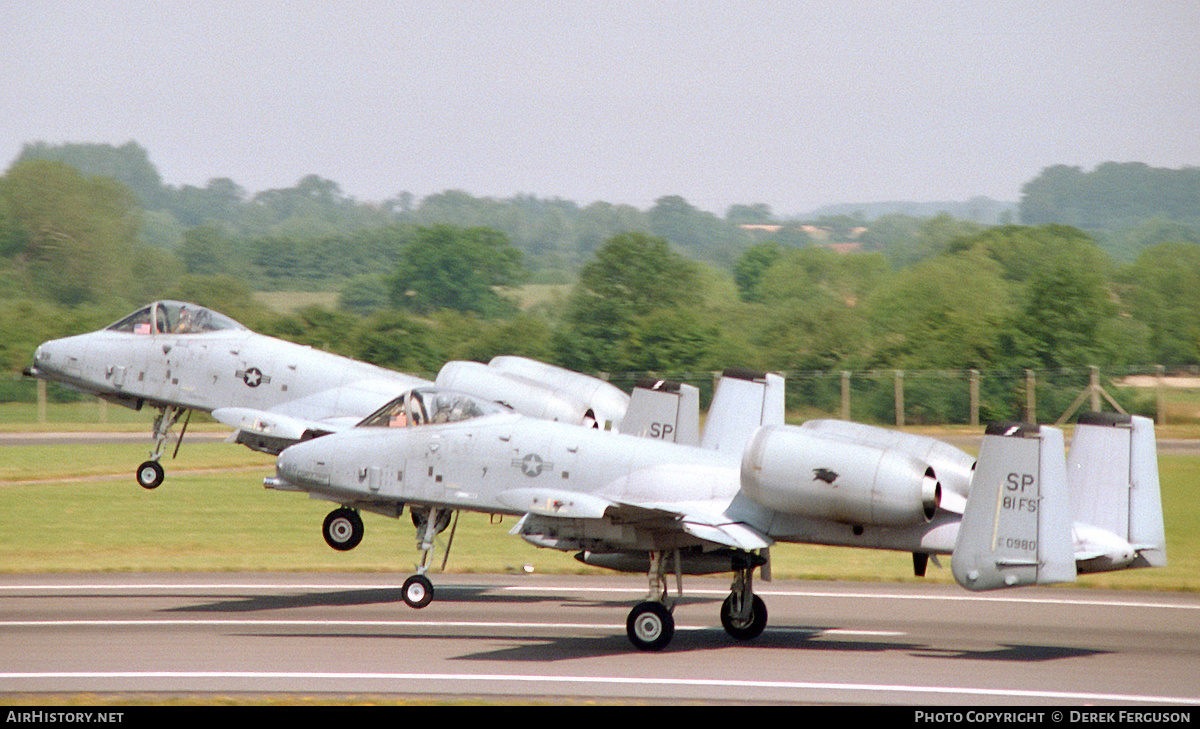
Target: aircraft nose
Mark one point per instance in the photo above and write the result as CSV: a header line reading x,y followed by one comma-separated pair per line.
x,y
287,463
42,353
60,356
303,464
38,356
48,357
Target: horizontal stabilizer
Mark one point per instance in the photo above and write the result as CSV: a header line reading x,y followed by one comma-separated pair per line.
x,y
664,410
1016,527
953,502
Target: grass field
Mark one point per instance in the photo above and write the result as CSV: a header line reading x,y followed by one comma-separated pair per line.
x,y
77,508
285,302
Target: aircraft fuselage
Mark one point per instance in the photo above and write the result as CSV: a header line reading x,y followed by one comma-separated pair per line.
x,y
210,370
515,465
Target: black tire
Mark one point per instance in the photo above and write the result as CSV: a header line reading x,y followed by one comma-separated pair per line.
x,y
150,475
650,626
417,591
343,529
748,629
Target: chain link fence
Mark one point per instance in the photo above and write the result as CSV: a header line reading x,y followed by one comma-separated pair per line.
x,y
886,397
974,397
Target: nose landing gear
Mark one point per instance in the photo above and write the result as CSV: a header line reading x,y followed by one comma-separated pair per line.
x,y
150,474
418,589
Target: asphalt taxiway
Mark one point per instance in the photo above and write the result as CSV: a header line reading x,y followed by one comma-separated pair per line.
x,y
562,638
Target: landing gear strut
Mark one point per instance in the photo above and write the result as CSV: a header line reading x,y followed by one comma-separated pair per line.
x,y
650,625
418,590
150,474
743,614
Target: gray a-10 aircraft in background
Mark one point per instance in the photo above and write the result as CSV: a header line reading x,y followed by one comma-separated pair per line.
x,y
711,502
177,357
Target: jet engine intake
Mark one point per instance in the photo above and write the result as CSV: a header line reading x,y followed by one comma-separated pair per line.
x,y
796,471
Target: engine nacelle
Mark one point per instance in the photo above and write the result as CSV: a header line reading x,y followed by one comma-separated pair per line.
x,y
797,471
525,396
607,401
953,466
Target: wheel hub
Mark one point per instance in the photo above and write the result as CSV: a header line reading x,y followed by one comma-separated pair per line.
x,y
416,592
341,530
648,627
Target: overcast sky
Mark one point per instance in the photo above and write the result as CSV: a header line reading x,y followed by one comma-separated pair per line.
x,y
793,104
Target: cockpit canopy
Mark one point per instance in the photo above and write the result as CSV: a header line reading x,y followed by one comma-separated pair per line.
x,y
425,405
174,317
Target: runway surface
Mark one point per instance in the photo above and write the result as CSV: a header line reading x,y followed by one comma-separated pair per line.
x,y
562,639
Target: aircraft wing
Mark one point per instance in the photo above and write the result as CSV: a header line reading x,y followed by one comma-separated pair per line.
x,y
729,534
271,432
683,518
326,411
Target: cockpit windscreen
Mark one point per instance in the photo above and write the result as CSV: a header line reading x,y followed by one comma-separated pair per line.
x,y
174,317
426,405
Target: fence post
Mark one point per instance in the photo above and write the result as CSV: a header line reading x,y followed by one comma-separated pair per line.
x,y
845,394
1030,397
1159,401
41,401
1094,386
899,398
974,397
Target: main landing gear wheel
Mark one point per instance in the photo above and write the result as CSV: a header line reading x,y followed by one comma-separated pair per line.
x,y
417,591
150,475
650,626
343,529
746,627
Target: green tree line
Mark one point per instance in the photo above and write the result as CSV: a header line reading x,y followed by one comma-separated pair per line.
x,y
672,290
1127,206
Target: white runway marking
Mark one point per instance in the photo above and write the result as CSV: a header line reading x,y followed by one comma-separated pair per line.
x,y
895,596
659,681
441,624
545,589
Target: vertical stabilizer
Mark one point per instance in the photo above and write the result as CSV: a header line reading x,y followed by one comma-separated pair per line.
x,y
1112,472
743,401
1016,528
664,410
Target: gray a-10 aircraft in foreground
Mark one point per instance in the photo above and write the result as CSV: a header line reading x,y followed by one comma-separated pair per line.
x,y
177,357
663,498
